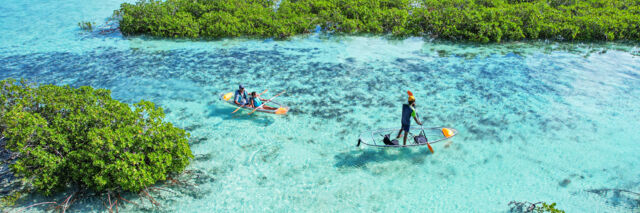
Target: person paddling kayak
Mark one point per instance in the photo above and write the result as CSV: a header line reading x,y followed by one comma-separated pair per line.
x,y
240,98
408,111
256,101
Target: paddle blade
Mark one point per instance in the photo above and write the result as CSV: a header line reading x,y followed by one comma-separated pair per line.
x,y
409,93
227,96
430,149
234,111
265,91
281,111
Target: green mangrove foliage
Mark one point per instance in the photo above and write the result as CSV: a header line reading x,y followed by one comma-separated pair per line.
x,y
81,137
10,199
549,208
474,20
87,26
528,207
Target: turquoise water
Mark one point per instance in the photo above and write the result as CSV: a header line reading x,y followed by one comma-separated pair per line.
x,y
537,121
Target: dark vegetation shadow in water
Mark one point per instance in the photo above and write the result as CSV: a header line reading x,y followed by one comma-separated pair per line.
x,y
360,158
108,67
162,194
225,112
619,197
471,50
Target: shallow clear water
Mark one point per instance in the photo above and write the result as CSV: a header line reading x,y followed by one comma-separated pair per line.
x,y
537,122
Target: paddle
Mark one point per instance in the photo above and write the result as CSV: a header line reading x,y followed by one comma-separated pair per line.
x,y
428,145
421,127
240,107
267,101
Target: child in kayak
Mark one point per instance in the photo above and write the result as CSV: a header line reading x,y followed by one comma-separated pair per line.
x,y
408,111
256,101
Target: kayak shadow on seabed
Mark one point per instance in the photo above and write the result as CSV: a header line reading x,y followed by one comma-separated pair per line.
x,y
360,158
224,112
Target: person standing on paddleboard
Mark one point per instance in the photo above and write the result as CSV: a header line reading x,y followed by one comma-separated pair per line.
x,y
408,111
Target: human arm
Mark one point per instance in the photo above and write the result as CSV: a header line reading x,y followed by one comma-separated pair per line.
x,y
236,96
417,121
415,117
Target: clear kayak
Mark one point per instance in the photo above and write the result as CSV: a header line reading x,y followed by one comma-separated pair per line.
x,y
431,134
281,109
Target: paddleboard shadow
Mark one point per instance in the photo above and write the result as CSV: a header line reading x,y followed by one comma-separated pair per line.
x,y
362,158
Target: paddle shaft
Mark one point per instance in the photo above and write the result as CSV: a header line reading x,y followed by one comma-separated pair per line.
x,y
428,145
240,107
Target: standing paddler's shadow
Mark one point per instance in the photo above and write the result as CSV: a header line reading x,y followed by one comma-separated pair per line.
x,y
360,158
224,112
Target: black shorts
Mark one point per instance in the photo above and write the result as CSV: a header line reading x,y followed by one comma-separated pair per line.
x,y
406,127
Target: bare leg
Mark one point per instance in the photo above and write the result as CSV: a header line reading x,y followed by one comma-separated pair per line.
x,y
399,132
269,108
405,138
